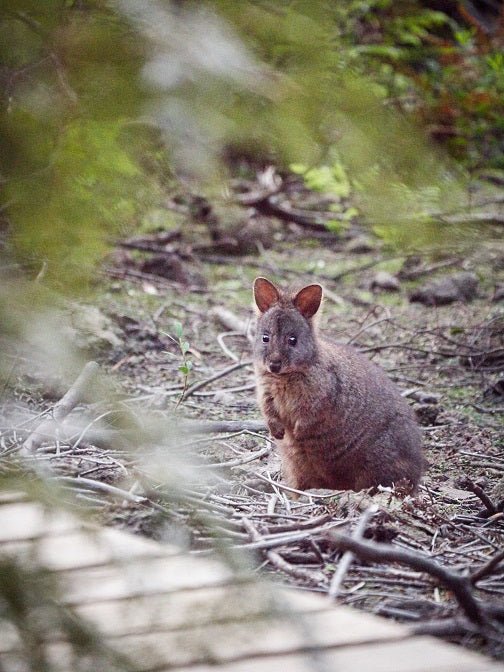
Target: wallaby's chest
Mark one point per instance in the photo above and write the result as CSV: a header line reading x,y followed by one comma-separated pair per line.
x,y
292,398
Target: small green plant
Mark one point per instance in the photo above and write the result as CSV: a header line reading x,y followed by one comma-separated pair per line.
x,y
332,179
186,366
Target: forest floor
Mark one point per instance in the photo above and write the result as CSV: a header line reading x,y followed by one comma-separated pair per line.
x,y
170,288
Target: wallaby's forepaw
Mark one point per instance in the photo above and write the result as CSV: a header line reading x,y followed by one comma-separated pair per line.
x,y
276,429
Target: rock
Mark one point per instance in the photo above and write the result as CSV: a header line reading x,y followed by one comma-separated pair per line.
x,y
425,397
498,294
385,281
427,414
457,287
259,484
254,235
223,397
410,265
171,267
89,329
495,391
360,245
498,491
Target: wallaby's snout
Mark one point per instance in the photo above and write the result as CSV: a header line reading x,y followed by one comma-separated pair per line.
x,y
275,366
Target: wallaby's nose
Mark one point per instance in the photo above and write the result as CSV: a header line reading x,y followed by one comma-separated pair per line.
x,y
275,366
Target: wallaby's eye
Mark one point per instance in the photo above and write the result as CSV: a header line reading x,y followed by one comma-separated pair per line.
x,y
292,340
265,338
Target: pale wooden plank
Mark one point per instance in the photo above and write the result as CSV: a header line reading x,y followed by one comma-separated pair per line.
x,y
404,655
23,521
144,576
181,609
252,638
271,633
197,607
167,610
11,496
85,547
419,654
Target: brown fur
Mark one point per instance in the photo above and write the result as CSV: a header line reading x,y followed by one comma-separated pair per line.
x,y
337,419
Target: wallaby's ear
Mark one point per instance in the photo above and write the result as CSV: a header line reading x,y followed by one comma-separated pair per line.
x,y
265,294
308,300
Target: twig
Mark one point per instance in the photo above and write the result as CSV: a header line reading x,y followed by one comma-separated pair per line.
x,y
467,484
62,408
100,486
497,410
237,462
197,386
222,426
269,205
220,340
446,627
286,488
415,273
348,557
280,563
282,539
487,568
458,584
232,321
317,521
239,388
139,276
355,269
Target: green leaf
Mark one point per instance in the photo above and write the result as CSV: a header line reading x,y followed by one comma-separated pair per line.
x,y
186,367
184,346
178,329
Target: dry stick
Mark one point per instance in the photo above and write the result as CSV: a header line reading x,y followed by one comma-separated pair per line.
x,y
458,584
317,521
222,426
220,340
446,627
62,408
347,559
99,486
467,484
279,562
235,463
197,386
487,568
286,488
232,321
269,205
282,539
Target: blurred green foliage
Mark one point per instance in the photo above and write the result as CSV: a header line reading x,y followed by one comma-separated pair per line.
x,y
91,89
69,86
445,69
33,616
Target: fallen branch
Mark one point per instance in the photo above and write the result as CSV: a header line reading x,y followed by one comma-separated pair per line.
x,y
269,205
467,484
347,559
223,426
221,374
62,408
232,321
487,568
237,462
446,627
314,578
459,585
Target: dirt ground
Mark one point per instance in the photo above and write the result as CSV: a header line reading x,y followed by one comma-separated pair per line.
x,y
448,361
